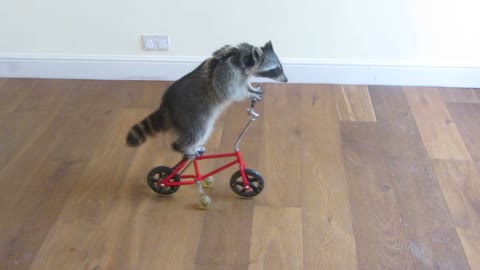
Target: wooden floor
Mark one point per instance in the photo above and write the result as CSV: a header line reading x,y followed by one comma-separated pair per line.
x,y
356,178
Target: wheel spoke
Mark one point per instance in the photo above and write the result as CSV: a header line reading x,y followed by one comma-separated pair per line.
x,y
239,185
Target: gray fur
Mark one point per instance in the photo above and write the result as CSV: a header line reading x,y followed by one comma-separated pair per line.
x,y
191,105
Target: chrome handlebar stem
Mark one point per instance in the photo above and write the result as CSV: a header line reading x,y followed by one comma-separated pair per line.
x,y
251,112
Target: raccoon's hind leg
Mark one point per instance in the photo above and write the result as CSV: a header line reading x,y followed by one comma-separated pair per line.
x,y
187,143
191,143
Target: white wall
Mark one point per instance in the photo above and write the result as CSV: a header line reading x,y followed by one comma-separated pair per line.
x,y
445,31
393,42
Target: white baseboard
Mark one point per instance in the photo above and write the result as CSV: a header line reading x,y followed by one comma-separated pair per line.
x,y
324,71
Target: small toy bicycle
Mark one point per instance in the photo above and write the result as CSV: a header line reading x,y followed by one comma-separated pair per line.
x,y
245,182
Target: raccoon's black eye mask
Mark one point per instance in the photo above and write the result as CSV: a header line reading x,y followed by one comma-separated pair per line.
x,y
272,73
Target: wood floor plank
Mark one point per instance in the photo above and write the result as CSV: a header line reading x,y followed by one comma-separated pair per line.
x,y
279,247
14,91
3,81
42,131
84,232
47,94
36,104
477,92
459,180
353,103
56,156
32,205
281,164
150,96
61,115
458,95
430,231
397,124
327,220
461,188
438,131
19,130
225,241
379,231
467,120
118,94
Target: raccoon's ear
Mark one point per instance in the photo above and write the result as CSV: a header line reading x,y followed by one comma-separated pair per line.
x,y
256,54
269,45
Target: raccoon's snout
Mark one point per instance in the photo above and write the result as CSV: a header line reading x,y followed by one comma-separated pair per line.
x,y
283,78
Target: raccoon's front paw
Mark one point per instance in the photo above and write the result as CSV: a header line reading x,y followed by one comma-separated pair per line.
x,y
257,90
256,96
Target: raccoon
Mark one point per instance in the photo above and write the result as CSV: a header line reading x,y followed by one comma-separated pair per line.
x,y
191,105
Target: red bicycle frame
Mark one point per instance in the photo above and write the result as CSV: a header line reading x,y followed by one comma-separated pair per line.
x,y
198,176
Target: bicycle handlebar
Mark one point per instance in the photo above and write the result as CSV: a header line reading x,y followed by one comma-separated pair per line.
x,y
255,90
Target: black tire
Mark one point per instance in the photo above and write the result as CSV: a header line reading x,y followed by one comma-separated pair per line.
x,y
159,173
255,180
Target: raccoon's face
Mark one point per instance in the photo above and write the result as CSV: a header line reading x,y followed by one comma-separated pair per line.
x,y
267,64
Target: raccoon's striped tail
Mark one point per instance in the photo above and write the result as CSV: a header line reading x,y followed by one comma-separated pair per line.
x,y
149,126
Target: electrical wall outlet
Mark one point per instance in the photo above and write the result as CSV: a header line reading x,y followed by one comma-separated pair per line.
x,y
156,42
